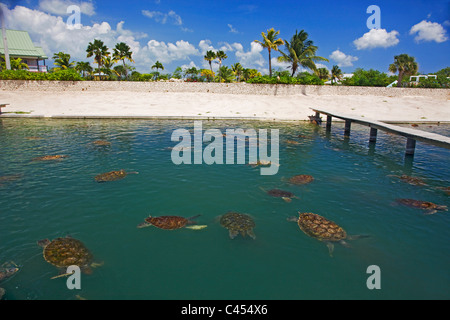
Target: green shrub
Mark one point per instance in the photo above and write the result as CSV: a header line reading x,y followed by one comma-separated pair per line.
x,y
62,75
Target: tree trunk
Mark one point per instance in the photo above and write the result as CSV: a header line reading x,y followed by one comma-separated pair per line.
x,y
270,65
400,78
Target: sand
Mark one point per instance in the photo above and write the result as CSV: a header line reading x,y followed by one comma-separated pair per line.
x,y
199,105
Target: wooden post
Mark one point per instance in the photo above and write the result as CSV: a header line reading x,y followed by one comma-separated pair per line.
x,y
348,124
329,122
410,146
373,135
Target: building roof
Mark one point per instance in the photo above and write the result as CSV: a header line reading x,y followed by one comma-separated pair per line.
x,y
20,45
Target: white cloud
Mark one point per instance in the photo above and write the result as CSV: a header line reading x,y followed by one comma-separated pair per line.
x,y
163,18
429,31
59,7
232,30
205,45
376,38
252,58
342,59
166,53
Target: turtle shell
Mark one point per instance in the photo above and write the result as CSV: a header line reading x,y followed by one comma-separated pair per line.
x,y
417,204
238,223
50,158
168,222
111,176
280,193
64,252
301,179
320,228
412,180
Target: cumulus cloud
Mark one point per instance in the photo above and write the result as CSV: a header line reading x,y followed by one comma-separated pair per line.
x,y
252,58
59,7
342,59
377,38
166,53
428,31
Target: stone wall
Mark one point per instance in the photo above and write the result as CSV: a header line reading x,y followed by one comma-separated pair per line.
x,y
218,88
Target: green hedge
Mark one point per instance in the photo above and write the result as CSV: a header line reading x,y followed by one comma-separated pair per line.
x,y
63,75
309,79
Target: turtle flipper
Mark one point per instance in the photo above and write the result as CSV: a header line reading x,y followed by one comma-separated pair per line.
x,y
430,212
196,227
233,233
251,234
286,199
330,246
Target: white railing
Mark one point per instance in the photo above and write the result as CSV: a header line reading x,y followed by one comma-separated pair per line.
x,y
37,69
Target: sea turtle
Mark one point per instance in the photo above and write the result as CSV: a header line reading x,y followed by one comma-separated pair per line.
x,y
285,195
67,251
445,189
323,229
101,143
50,158
7,270
411,180
429,207
113,175
238,223
171,223
9,178
293,142
301,179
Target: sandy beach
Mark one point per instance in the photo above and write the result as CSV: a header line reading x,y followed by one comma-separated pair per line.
x,y
180,103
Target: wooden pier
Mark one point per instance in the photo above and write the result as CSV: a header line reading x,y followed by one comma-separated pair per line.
x,y
412,135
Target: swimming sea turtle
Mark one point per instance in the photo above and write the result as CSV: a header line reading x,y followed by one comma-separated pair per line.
x,y
171,223
102,143
285,195
301,179
50,158
238,223
65,252
7,270
9,178
411,180
429,207
113,175
323,229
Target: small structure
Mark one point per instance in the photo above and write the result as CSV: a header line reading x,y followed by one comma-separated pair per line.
x,y
411,135
21,46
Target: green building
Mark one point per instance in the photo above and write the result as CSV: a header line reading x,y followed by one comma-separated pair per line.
x,y
21,46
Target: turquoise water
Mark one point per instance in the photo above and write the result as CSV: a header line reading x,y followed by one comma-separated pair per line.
x,y
353,186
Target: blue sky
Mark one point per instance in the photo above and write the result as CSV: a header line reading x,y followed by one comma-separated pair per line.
x,y
177,33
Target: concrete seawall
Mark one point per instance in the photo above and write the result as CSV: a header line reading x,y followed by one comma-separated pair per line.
x,y
219,88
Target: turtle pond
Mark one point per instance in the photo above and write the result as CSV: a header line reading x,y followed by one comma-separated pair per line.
x,y
354,185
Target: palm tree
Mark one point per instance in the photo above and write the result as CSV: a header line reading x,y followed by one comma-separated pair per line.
x,y
226,74
108,63
210,57
83,67
62,60
323,73
238,70
270,42
336,74
221,56
122,52
158,65
405,65
98,50
300,52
